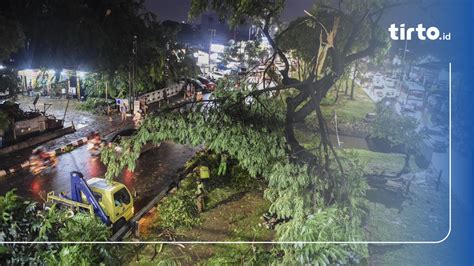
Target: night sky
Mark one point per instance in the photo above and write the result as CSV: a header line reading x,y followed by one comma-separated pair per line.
x,y
178,9
411,14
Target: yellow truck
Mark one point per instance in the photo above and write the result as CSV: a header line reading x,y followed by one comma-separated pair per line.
x,y
111,202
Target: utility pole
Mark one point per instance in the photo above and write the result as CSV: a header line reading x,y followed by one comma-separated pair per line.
x,y
402,65
132,73
213,34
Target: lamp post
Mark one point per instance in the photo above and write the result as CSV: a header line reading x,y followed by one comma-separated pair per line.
x,y
213,34
132,73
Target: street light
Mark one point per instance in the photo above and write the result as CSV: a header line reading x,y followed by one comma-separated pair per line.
x,y
213,34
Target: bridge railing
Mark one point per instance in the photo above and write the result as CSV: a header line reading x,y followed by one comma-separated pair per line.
x,y
159,95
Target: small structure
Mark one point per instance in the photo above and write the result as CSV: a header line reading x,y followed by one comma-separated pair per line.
x,y
20,129
51,82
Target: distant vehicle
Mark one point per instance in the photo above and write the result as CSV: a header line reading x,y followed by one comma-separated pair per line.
x,y
416,94
216,75
409,108
198,85
221,66
377,87
438,138
380,94
209,84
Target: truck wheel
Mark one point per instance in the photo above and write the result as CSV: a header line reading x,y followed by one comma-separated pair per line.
x,y
118,224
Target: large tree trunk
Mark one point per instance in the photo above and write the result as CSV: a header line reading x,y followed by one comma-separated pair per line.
x,y
347,86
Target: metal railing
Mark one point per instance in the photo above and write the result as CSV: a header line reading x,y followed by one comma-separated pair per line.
x,y
159,95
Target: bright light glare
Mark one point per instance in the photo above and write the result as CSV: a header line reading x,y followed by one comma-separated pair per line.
x,y
81,74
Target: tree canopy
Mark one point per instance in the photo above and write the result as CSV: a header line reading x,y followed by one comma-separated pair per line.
x,y
255,128
104,37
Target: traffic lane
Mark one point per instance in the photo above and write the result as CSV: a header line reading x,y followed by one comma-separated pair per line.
x,y
153,170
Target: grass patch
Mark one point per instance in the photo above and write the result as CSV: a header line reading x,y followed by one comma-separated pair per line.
x,y
347,110
376,162
236,216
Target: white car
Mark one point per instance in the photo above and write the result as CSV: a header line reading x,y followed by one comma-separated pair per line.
x,y
216,75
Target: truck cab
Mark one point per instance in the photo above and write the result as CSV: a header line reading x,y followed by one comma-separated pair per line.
x,y
110,201
115,199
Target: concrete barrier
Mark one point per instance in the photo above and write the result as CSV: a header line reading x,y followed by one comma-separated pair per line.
x,y
37,140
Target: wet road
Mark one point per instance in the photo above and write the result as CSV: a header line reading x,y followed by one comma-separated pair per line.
x,y
153,169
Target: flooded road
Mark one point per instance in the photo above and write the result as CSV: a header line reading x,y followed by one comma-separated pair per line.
x,y
154,168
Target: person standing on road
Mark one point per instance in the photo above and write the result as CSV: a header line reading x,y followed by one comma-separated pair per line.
x,y
138,119
187,93
123,111
143,106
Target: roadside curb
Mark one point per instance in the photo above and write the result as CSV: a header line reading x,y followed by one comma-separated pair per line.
x,y
58,151
61,150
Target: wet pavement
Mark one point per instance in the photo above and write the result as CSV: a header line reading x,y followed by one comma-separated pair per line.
x,y
84,122
154,168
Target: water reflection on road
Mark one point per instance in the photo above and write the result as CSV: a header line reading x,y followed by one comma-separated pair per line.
x,y
153,169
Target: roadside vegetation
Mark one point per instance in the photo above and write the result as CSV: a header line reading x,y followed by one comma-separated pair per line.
x,y
25,221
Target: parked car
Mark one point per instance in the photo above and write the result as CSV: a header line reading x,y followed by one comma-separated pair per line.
x,y
209,84
409,108
197,85
377,87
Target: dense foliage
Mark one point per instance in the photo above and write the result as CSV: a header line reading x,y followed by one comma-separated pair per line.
x,y
24,221
109,38
398,131
178,210
258,144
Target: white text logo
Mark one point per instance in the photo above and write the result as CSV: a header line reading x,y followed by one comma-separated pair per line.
x,y
432,33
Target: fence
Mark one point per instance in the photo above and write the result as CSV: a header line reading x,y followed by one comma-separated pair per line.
x,y
158,95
